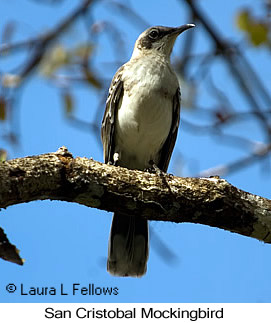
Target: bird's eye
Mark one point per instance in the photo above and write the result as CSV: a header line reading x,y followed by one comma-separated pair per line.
x,y
154,34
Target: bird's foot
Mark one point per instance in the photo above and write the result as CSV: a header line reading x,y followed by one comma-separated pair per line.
x,y
154,169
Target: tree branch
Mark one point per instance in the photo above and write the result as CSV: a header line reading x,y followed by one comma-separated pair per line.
x,y
210,201
238,65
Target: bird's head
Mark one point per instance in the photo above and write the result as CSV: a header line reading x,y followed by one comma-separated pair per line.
x,y
158,40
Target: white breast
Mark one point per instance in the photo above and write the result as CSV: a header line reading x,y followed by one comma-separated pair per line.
x,y
145,113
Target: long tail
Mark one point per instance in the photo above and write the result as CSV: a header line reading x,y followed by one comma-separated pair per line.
x,y
128,246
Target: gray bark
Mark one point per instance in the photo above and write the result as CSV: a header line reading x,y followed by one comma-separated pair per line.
x,y
59,176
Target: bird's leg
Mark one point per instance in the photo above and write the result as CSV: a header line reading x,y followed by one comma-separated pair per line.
x,y
163,175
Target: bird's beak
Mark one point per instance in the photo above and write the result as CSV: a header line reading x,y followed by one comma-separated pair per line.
x,y
178,30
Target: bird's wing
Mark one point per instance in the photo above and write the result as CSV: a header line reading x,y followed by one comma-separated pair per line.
x,y
167,149
108,124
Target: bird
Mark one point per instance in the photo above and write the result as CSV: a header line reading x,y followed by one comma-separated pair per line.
x,y
139,130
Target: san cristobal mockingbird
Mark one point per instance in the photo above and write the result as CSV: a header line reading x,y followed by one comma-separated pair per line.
x,y
139,129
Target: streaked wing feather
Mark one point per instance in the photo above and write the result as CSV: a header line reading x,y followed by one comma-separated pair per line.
x,y
108,123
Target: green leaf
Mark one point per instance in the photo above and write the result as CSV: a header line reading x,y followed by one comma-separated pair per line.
x,y
68,103
256,29
3,155
258,33
56,58
3,109
83,51
243,20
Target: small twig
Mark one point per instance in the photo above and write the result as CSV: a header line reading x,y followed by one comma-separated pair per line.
x,y
222,170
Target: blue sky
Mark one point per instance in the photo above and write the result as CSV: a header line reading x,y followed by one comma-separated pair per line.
x,y
66,243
